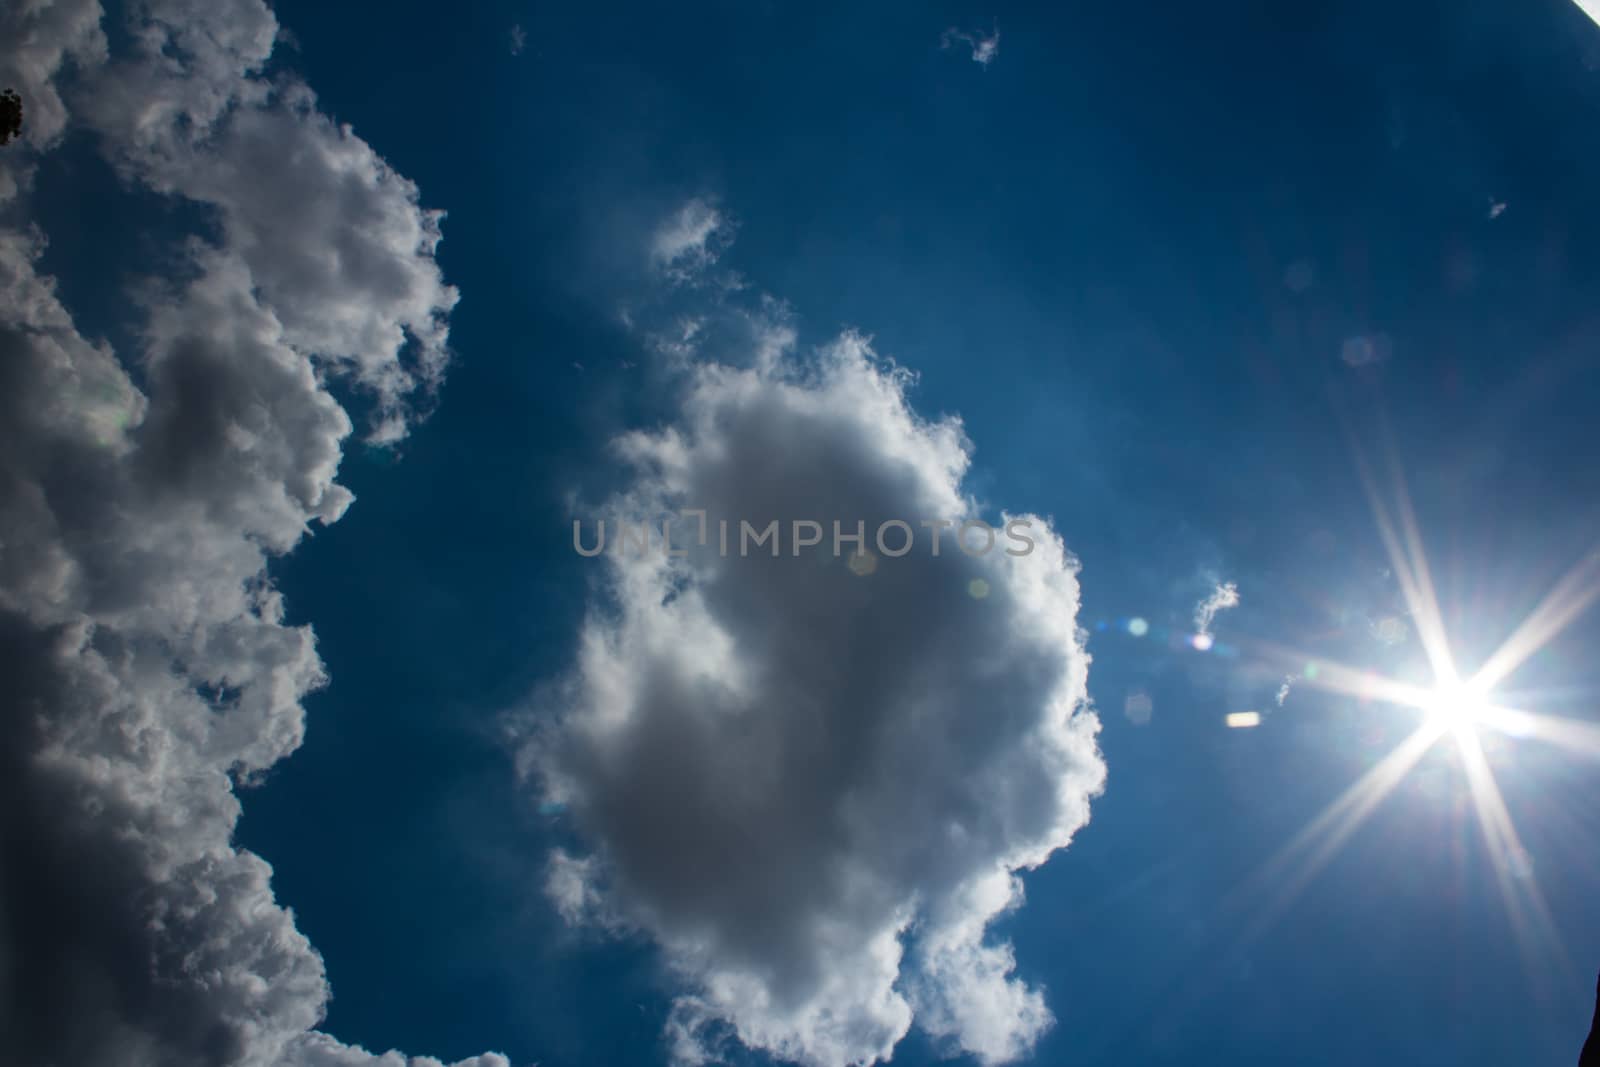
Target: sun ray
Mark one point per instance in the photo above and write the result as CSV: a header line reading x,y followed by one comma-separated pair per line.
x,y
1304,856
1575,735
1335,677
1402,541
1569,598
1525,905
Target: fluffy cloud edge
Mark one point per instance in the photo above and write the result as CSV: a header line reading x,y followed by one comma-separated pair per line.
x,y
675,651
152,664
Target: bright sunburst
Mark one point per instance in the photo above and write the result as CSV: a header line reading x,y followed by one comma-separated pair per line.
x,y
1456,710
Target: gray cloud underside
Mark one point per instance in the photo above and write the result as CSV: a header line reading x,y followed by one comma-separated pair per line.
x,y
148,665
813,787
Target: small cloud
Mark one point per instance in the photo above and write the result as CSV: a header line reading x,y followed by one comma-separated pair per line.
x,y
1283,690
1496,208
1138,707
679,340
691,240
570,885
1364,350
1224,596
519,39
984,46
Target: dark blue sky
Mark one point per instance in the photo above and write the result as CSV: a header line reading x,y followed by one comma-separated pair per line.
x,y
1130,253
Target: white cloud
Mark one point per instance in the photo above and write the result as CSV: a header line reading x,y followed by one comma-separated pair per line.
x,y
333,238
147,661
519,39
1224,596
1283,689
985,46
320,1050
691,240
1590,8
811,783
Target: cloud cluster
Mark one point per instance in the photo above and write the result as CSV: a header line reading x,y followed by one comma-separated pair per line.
x,y
148,666
1224,596
811,783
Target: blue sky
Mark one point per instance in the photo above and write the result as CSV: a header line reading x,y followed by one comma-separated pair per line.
x,y
1182,272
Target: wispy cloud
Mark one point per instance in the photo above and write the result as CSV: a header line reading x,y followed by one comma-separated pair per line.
x,y
689,241
1224,596
984,46
519,39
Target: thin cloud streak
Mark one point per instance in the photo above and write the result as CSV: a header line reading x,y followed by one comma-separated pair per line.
x,y
1223,597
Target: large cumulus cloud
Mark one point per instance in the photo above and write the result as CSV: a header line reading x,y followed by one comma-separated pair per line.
x,y
812,783
148,666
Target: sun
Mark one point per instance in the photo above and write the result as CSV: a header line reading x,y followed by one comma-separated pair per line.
x,y
1461,711
1456,707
